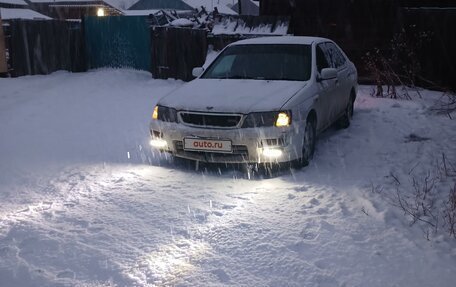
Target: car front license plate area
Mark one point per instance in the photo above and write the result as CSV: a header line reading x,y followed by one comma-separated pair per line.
x,y
208,145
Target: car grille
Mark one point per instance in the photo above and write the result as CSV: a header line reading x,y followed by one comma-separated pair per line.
x,y
240,154
211,120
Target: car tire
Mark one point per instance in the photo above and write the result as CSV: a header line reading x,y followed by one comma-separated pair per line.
x,y
344,121
309,140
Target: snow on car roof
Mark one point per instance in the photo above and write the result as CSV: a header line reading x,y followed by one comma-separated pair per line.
x,y
281,40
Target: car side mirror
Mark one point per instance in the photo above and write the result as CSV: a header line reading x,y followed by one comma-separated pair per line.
x,y
198,71
328,74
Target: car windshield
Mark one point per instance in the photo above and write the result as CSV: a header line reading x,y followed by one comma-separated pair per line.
x,y
262,62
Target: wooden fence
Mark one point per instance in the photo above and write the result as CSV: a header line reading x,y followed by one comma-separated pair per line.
x,y
42,47
176,51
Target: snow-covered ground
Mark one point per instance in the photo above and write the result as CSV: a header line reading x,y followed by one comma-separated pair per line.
x,y
85,203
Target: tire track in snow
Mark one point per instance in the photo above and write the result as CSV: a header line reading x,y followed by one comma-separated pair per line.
x,y
87,204
230,235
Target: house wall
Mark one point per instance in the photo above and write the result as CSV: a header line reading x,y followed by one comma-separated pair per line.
x,y
71,12
78,12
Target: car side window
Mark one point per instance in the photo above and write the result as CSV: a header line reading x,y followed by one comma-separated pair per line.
x,y
322,61
334,56
225,66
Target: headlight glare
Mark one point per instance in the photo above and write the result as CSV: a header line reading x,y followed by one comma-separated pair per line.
x,y
155,113
267,119
272,152
283,120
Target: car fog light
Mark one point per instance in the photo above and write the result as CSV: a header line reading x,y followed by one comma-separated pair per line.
x,y
272,152
158,143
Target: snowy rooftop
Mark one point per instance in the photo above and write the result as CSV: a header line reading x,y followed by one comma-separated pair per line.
x,y
210,5
139,12
121,4
281,40
64,1
15,2
233,25
15,13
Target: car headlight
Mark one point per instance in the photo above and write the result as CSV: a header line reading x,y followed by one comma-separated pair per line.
x,y
283,119
165,114
267,119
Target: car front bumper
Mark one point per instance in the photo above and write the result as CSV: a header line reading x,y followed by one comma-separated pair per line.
x,y
258,145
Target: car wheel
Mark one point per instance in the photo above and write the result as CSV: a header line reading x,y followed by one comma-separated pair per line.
x,y
308,146
344,121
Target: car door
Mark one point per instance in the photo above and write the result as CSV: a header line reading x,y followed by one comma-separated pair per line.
x,y
343,86
326,90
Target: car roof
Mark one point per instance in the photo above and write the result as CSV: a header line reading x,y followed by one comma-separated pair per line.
x,y
296,40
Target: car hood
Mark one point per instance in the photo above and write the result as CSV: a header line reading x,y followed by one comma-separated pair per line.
x,y
240,96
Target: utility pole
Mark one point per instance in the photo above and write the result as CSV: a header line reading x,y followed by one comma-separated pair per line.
x,y
240,7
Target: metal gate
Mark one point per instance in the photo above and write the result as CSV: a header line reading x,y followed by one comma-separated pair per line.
x,y
118,41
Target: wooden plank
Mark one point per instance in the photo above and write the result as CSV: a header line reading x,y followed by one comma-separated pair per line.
x,y
3,67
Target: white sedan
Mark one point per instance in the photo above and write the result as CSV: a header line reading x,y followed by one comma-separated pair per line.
x,y
261,100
